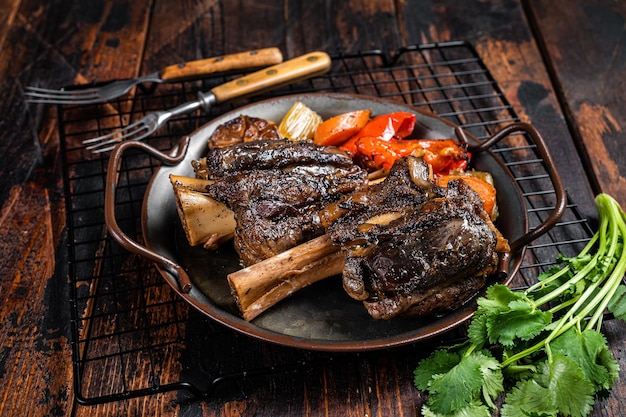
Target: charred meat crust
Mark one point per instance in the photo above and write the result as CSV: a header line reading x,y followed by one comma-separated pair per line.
x,y
276,189
437,300
272,154
407,240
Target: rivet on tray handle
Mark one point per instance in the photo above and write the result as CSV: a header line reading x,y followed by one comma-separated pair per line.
x,y
116,233
561,194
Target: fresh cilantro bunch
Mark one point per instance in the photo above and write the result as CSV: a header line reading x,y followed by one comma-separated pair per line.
x,y
542,348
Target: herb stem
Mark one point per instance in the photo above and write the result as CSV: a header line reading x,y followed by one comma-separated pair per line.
x,y
563,270
619,270
573,280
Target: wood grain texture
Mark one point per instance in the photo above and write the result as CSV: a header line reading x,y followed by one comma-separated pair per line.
x,y
35,363
47,45
589,65
501,35
8,11
19,145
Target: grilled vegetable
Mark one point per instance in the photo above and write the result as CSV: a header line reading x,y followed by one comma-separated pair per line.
x,y
299,123
338,129
385,139
445,156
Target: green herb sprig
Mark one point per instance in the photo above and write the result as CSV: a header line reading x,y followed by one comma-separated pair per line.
x,y
543,345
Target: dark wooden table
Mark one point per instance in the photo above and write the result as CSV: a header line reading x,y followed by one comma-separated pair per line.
x,y
561,66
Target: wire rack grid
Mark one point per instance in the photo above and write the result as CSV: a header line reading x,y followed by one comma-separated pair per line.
x,y
130,333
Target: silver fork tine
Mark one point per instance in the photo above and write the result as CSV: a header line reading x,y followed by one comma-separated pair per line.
x,y
140,129
80,96
147,125
49,92
44,95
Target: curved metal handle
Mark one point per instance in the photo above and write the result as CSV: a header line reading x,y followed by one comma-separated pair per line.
x,y
116,232
559,189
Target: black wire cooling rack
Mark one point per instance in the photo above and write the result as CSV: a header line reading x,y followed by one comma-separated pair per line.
x,y
131,335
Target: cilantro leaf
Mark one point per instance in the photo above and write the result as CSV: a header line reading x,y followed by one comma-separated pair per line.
x,y
573,394
590,351
522,321
455,380
493,381
477,330
506,316
528,398
458,387
497,298
559,389
439,362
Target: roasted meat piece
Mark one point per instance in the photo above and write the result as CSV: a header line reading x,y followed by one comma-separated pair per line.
x,y
272,154
243,129
235,131
413,248
276,189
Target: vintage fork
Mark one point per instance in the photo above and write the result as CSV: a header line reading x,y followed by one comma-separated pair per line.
x,y
296,69
193,69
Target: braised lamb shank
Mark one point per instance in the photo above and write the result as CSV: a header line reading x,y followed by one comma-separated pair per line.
x,y
413,248
276,189
410,248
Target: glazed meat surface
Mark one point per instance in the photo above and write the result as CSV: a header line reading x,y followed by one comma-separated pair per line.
x,y
276,189
413,248
243,129
273,154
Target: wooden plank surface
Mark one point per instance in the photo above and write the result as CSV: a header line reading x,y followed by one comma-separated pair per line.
x,y
505,42
36,367
47,46
589,69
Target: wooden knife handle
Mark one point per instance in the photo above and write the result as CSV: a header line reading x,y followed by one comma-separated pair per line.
x,y
293,70
241,60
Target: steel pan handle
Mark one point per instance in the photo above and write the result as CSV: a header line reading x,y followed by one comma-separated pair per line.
x,y
109,206
559,189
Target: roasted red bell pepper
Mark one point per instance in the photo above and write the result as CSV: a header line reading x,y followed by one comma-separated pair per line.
x,y
377,153
445,155
383,127
382,141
